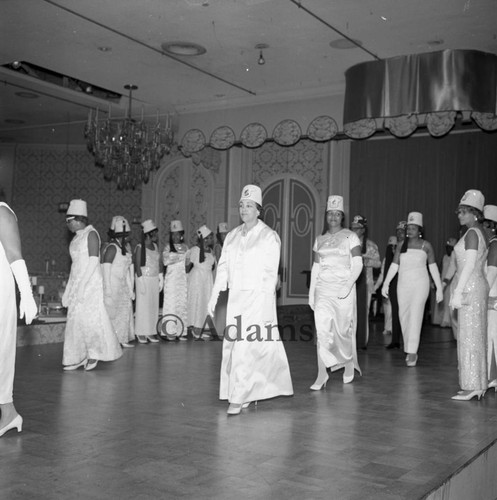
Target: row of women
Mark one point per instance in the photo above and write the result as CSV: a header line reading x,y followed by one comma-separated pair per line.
x,y
97,329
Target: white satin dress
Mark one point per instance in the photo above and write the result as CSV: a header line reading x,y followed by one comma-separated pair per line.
x,y
254,364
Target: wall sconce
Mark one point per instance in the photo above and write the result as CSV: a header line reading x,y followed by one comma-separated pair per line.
x,y
63,206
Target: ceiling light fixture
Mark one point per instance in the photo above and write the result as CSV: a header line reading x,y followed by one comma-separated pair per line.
x,y
260,47
183,49
127,150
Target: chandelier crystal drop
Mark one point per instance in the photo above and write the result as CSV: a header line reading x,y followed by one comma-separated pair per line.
x,y
127,150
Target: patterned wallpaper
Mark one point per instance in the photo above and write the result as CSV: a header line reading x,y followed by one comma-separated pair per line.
x,y
306,159
45,177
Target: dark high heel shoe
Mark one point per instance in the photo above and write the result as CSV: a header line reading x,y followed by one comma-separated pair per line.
x,y
319,384
467,395
16,423
393,345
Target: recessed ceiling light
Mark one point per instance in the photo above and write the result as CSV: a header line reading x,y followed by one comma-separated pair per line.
x,y
27,95
262,46
344,43
183,49
14,121
104,49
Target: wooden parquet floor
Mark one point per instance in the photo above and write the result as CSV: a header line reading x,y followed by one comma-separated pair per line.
x,y
150,426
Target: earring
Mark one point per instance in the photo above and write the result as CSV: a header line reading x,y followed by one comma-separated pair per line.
x,y
476,218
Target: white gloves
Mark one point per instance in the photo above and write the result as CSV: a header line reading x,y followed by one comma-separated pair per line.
x,y
433,268
27,307
392,271
312,286
355,271
211,306
140,285
456,301
93,263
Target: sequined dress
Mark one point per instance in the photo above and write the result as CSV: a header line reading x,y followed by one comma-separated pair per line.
x,y
335,318
175,289
492,329
472,330
89,333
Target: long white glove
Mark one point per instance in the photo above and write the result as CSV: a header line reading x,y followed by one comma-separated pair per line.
x,y
211,306
27,306
161,282
93,263
435,274
312,286
140,285
491,276
106,272
355,271
470,263
392,271
130,281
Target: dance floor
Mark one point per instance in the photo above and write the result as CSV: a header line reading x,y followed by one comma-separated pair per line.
x,y
150,426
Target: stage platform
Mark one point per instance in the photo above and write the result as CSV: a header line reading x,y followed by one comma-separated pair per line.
x,y
150,426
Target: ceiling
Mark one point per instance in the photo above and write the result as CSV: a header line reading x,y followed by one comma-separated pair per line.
x,y
110,43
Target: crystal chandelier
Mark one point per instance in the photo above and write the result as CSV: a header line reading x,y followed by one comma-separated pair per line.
x,y
127,150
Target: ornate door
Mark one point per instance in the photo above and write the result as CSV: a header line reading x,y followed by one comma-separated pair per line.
x,y
290,209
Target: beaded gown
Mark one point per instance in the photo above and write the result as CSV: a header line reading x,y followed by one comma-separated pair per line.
x,y
175,289
147,298
89,333
120,307
472,319
492,328
335,319
199,287
413,288
8,326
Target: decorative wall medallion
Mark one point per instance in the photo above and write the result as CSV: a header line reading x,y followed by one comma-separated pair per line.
x,y
440,123
486,121
287,133
361,129
253,135
222,138
322,128
193,141
401,126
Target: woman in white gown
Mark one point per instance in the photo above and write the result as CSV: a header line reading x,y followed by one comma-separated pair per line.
x,y
490,225
175,282
117,268
12,267
89,336
254,363
332,295
410,261
200,264
148,284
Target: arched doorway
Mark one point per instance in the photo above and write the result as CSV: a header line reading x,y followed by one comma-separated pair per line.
x,y
290,206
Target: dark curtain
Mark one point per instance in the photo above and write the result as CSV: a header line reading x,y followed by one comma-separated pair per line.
x,y
391,177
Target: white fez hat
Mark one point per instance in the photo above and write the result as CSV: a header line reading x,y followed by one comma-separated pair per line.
x,y
148,226
401,225
251,192
203,231
222,227
77,207
176,225
119,224
392,240
415,218
335,202
473,198
490,212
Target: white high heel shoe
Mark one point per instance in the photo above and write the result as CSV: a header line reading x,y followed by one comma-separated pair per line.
x,y
68,368
16,423
234,409
319,384
348,373
466,396
493,384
